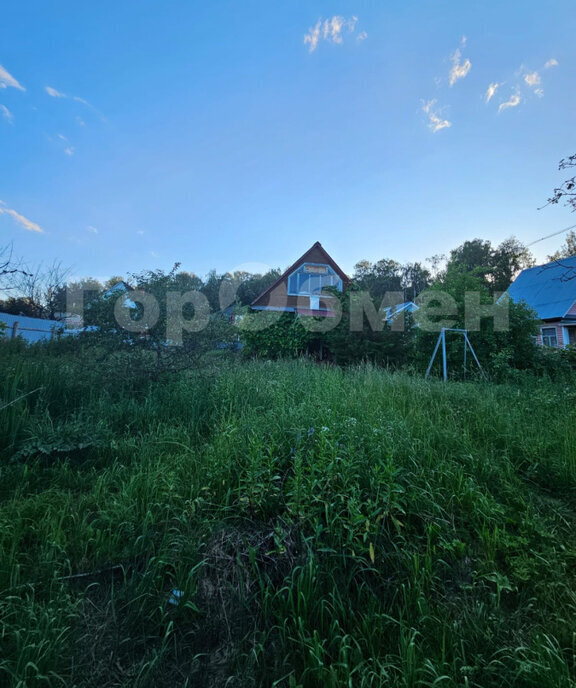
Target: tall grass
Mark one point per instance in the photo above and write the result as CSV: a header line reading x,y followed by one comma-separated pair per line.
x,y
323,527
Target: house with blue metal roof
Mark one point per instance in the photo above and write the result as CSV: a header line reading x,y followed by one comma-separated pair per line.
x,y
550,290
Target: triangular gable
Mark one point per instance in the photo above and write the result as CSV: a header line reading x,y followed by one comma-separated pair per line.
x,y
319,251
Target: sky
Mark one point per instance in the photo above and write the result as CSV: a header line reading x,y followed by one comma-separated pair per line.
x,y
233,135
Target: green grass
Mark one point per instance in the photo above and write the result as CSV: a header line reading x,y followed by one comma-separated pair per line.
x,y
326,527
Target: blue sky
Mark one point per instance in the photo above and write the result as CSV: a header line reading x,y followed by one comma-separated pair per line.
x,y
218,134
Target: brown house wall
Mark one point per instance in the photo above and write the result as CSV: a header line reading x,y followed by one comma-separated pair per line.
x,y
278,296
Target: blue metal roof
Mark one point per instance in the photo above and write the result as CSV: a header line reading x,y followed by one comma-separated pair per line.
x,y
548,288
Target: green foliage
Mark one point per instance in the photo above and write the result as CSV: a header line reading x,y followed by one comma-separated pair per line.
x,y
172,331
499,351
268,334
384,346
496,267
567,249
323,526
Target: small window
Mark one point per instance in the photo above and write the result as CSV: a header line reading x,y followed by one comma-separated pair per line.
x,y
549,337
311,279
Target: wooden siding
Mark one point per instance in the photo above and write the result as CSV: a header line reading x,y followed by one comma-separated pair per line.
x,y
559,333
572,311
276,297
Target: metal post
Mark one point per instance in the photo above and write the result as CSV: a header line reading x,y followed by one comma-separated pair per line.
x,y
444,362
433,357
15,330
474,354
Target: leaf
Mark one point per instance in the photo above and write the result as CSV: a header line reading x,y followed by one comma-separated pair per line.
x,y
371,552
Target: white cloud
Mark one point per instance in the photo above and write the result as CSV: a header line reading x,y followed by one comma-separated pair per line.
x,y
92,230
491,90
54,93
8,81
5,112
533,79
551,63
459,69
313,36
69,150
332,30
58,94
20,219
513,101
435,121
362,36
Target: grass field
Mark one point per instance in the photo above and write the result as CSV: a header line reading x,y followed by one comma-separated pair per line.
x,y
322,527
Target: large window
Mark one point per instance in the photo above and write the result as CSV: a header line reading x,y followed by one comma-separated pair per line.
x,y
549,337
311,278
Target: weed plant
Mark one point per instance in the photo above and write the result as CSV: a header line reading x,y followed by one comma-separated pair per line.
x,y
323,527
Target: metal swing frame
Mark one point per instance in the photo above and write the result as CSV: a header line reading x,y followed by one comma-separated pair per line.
x,y
442,341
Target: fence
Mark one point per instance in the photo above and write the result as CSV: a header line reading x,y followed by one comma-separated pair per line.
x,y
30,329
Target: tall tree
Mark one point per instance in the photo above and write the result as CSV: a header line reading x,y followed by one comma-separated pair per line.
x,y
41,288
378,278
495,267
567,249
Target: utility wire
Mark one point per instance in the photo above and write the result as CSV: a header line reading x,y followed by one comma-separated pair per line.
x,y
561,231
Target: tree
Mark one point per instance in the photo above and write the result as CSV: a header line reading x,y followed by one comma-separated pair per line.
x,y
162,327
383,345
113,281
378,278
567,249
566,192
512,346
415,279
495,267
73,296
507,260
40,288
9,266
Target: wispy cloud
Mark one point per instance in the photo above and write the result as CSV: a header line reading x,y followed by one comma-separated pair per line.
x,y
20,219
513,101
68,149
5,112
459,69
553,62
332,30
52,92
91,229
435,121
491,91
8,81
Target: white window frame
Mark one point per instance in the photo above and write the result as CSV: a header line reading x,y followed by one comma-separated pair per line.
x,y
329,270
548,336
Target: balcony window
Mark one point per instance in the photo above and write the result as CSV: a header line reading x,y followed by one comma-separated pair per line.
x,y
311,279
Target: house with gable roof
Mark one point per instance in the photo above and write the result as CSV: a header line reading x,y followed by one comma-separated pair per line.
x,y
301,288
550,290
